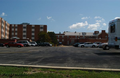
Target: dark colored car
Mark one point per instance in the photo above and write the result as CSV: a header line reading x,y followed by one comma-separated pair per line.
x,y
13,44
76,44
2,45
44,44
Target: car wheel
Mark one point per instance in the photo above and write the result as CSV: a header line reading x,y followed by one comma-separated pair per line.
x,y
93,46
19,46
7,46
25,45
82,46
106,47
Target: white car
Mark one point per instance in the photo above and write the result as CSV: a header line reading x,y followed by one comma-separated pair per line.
x,y
88,44
33,43
101,45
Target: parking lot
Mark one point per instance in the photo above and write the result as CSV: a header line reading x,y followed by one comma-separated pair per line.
x,y
67,56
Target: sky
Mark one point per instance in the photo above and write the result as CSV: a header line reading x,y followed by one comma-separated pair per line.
x,y
62,15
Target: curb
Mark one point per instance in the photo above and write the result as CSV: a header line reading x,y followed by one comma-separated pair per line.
x,y
59,67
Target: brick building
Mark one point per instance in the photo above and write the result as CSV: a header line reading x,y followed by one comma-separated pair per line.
x,y
69,38
4,29
26,31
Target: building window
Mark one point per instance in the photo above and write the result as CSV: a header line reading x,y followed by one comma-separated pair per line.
x,y
67,36
33,38
24,37
12,25
41,29
62,39
24,33
33,26
24,29
33,29
15,29
58,36
15,33
62,36
33,33
57,39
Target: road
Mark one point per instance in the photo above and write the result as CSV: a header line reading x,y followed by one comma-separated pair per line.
x,y
61,56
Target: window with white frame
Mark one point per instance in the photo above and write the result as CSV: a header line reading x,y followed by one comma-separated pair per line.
x,y
41,29
24,29
33,26
15,29
33,29
15,33
33,38
33,33
24,33
12,25
58,36
12,29
24,37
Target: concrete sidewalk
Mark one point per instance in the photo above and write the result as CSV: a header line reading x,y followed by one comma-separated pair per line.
x,y
59,67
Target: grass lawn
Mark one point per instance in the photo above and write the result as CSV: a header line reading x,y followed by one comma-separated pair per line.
x,y
24,72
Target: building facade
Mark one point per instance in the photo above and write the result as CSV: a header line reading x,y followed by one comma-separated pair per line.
x,y
26,31
69,38
4,29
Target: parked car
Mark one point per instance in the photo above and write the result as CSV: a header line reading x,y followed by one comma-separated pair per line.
x,y
88,44
76,44
13,44
44,44
2,45
98,43
24,42
101,45
33,43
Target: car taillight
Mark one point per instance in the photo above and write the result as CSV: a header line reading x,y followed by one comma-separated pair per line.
x,y
115,38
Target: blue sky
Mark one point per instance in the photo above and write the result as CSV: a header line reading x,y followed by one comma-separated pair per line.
x,y
62,15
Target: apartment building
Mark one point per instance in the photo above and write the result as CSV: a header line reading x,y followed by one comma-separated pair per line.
x,y
69,38
4,29
26,31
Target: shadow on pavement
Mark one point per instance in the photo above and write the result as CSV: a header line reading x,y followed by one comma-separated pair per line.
x,y
111,53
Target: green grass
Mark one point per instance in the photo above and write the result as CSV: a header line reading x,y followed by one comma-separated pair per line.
x,y
22,72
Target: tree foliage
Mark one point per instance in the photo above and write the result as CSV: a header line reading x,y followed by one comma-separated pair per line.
x,y
44,37
53,37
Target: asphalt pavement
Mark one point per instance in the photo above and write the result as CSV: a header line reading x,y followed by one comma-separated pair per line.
x,y
68,56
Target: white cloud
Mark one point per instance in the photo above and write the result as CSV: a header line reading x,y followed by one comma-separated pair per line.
x,y
78,25
104,24
49,17
85,17
93,26
97,17
3,14
98,21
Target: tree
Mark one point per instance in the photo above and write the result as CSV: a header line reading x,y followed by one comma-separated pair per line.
x,y
44,37
53,37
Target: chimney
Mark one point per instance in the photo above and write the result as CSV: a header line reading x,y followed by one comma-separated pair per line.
x,y
103,31
96,32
